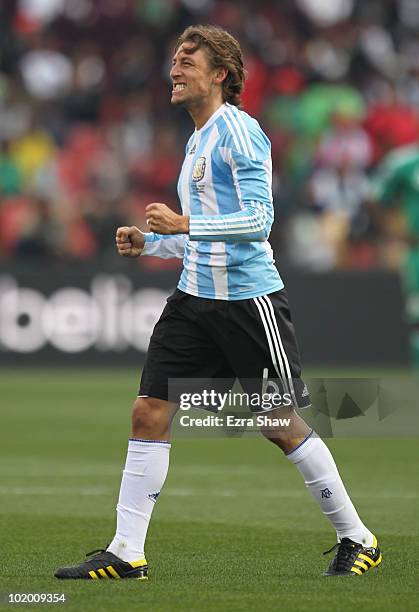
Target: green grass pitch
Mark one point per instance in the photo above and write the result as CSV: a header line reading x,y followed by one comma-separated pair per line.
x,y
234,529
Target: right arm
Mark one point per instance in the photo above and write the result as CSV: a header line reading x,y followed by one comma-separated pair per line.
x,y
164,246
132,242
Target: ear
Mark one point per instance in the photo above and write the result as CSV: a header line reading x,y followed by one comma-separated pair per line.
x,y
220,76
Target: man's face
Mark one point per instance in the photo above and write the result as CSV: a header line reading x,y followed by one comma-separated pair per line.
x,y
191,76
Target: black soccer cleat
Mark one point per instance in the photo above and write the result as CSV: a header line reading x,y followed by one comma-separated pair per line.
x,y
353,559
104,565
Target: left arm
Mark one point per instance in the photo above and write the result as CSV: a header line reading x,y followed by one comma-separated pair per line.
x,y
252,182
248,224
251,170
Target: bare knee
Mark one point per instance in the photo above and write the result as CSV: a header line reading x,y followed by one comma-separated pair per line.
x,y
151,418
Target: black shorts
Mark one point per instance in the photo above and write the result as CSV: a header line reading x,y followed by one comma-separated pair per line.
x,y
219,340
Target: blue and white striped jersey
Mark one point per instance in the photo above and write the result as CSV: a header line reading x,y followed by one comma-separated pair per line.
x,y
225,186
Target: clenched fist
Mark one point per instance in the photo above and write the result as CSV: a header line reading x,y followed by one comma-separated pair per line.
x,y
162,220
129,241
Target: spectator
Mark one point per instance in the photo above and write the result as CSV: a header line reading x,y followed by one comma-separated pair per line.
x,y
86,139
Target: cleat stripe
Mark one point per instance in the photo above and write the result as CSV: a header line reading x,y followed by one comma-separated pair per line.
x,y
380,558
356,570
140,563
102,573
113,572
361,564
93,575
142,578
365,558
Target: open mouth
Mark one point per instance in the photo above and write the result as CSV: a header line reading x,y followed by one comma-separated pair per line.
x,y
179,87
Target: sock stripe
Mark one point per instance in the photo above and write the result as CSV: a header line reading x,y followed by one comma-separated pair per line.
x,y
301,443
150,441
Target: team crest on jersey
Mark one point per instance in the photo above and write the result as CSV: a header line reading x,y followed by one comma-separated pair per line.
x,y
199,169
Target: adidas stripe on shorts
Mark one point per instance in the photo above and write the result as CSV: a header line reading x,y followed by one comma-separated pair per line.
x,y
221,340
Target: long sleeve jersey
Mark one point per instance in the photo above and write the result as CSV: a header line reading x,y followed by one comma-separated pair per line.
x,y
225,187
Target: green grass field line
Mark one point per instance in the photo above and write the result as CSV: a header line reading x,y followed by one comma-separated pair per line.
x,y
234,528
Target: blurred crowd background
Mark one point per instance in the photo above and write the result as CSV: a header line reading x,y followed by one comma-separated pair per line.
x,y
88,137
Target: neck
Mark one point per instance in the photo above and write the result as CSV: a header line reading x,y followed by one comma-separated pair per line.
x,y
202,112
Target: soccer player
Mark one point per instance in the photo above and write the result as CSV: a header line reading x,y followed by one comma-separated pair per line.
x,y
396,183
229,316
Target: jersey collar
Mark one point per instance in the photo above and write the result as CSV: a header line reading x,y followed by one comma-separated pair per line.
x,y
220,110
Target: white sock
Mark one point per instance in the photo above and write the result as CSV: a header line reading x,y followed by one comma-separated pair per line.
x,y
321,476
143,477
